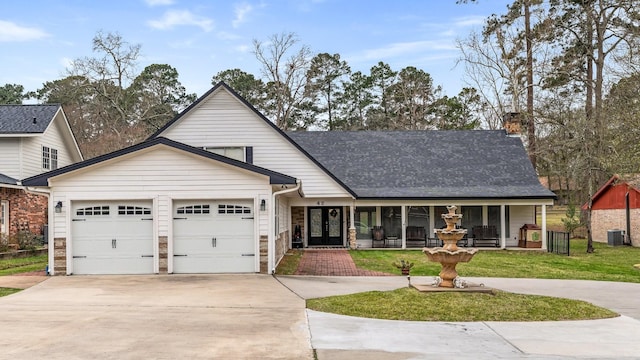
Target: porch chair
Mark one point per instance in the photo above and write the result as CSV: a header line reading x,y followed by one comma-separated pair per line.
x,y
377,236
416,235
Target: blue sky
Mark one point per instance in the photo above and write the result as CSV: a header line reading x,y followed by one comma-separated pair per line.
x,y
39,38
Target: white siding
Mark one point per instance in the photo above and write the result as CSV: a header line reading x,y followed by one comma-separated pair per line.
x,y
518,216
263,225
284,216
160,173
10,157
222,120
52,138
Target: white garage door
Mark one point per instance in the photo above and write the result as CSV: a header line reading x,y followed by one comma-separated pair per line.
x,y
213,236
112,237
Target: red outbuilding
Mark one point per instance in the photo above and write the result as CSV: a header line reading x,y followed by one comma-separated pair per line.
x,y
616,206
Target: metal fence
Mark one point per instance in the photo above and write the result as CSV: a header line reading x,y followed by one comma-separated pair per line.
x,y
558,242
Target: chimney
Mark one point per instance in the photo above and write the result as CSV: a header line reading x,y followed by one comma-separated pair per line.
x,y
512,123
35,121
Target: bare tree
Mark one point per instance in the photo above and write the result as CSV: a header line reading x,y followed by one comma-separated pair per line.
x,y
109,75
491,68
285,69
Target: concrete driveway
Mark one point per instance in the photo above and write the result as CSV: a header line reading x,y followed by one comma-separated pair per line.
x,y
337,337
155,317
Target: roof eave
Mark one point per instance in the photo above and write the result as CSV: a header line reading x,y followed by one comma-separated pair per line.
x,y
22,134
43,179
433,198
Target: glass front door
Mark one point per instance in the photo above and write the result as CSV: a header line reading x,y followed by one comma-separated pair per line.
x,y
325,226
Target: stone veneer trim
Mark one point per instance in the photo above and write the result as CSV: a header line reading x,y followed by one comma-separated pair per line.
x,y
264,249
60,256
163,254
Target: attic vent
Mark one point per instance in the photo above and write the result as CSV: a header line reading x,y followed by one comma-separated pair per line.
x,y
35,121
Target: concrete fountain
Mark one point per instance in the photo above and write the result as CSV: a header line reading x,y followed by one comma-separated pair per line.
x,y
449,255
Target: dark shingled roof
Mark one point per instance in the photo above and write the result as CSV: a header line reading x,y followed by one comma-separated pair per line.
x,y
19,119
426,164
4,179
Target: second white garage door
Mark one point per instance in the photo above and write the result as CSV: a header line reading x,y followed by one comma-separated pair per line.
x,y
213,236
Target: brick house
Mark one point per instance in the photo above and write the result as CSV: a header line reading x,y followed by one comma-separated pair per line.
x,y
616,206
33,139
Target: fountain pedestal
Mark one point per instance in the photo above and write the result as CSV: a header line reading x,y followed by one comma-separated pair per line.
x,y
449,255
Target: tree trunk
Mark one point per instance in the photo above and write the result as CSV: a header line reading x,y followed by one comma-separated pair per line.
x,y
531,126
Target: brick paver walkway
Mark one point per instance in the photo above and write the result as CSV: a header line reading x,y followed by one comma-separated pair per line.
x,y
331,263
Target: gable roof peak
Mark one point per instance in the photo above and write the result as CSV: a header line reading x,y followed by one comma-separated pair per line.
x,y
219,85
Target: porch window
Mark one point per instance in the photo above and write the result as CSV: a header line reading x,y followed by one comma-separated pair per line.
x,y
438,221
418,216
494,218
365,219
392,221
471,216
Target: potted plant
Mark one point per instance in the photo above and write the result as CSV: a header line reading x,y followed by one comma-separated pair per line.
x,y
404,266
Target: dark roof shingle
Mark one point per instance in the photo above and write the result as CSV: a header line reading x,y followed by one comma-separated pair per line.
x,y
7,180
26,119
426,164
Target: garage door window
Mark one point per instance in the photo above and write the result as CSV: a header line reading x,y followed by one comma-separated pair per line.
x,y
194,209
133,210
93,210
233,209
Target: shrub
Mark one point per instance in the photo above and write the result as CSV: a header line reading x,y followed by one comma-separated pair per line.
x,y
4,243
27,240
571,220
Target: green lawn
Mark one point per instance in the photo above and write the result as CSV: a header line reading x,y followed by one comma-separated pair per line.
x,y
410,304
606,263
21,265
7,291
289,263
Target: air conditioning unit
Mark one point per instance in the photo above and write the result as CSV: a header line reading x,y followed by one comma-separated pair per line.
x,y
615,237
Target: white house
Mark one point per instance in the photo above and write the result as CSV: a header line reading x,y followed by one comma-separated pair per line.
x,y
33,139
220,189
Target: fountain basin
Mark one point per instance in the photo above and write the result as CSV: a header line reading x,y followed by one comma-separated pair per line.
x,y
449,259
442,255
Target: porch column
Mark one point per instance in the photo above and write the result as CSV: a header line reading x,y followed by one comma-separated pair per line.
x,y
352,227
485,214
503,228
432,222
544,227
403,222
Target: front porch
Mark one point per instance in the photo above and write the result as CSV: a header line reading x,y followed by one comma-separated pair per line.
x,y
397,226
